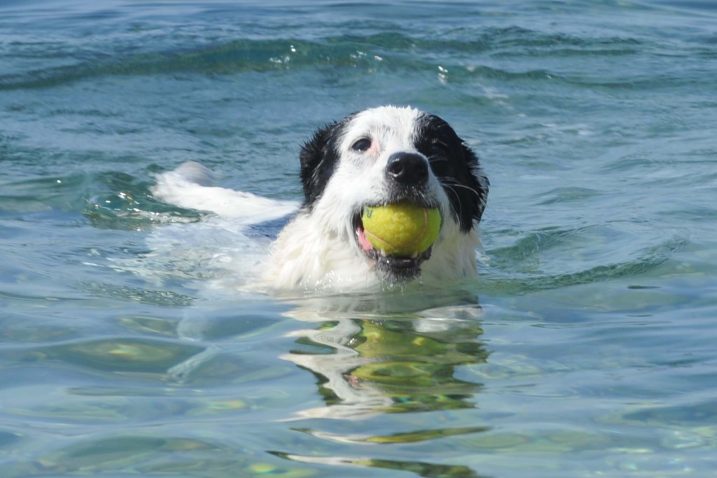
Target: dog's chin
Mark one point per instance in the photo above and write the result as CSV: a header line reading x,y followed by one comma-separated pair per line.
x,y
393,267
396,267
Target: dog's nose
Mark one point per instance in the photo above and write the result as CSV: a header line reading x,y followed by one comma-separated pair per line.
x,y
407,168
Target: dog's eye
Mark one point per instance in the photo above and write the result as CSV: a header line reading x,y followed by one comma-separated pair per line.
x,y
361,145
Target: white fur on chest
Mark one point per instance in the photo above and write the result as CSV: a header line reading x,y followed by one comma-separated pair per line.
x,y
307,255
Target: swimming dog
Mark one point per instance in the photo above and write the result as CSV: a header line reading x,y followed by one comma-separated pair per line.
x,y
378,156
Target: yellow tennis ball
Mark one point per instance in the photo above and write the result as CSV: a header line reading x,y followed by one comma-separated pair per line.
x,y
401,229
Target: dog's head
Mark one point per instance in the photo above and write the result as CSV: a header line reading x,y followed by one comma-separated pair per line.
x,y
388,155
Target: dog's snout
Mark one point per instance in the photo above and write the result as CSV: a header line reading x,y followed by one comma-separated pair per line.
x,y
407,168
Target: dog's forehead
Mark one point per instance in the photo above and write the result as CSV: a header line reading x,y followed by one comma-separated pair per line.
x,y
388,120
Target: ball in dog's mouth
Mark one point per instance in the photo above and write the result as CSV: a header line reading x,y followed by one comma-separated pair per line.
x,y
399,236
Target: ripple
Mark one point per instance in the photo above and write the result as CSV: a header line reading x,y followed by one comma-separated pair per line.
x,y
419,468
127,348
146,454
533,257
564,195
136,294
121,354
43,193
121,201
415,436
692,414
8,438
369,52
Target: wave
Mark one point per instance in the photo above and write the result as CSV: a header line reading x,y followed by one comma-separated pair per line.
x,y
459,49
553,259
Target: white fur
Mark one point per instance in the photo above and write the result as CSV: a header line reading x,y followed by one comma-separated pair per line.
x,y
317,249
189,186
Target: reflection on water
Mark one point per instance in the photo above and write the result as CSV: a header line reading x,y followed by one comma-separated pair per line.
x,y
368,363
417,467
395,364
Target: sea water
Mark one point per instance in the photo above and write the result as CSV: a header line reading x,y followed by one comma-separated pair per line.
x,y
587,347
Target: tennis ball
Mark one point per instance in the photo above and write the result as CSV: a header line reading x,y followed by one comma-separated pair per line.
x,y
401,229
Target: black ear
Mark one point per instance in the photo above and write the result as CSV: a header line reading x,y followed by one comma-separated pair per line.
x,y
480,183
457,168
318,159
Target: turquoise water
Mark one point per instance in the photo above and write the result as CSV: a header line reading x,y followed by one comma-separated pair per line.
x,y
586,348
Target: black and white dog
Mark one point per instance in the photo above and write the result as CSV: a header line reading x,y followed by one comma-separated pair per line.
x,y
377,156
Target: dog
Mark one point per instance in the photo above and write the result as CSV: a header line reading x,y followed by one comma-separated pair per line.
x,y
378,156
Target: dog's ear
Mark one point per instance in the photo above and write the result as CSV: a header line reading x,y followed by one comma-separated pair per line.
x,y
318,159
478,182
457,168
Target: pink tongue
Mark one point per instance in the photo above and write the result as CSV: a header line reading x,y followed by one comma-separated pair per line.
x,y
363,242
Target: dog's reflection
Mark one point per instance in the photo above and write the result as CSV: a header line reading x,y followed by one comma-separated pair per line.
x,y
368,362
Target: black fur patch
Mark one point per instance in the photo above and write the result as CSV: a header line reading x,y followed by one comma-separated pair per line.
x,y
319,157
457,168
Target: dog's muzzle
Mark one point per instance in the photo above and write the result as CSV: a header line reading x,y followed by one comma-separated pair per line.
x,y
407,179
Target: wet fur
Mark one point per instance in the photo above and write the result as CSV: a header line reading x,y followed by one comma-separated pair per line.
x,y
318,247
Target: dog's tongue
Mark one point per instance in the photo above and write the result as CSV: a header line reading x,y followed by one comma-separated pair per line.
x,y
363,242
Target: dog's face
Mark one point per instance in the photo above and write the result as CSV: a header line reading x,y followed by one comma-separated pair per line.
x,y
387,155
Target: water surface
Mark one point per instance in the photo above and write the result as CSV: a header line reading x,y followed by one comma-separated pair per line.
x,y
586,348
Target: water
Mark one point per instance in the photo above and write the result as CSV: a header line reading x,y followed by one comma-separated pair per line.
x,y
586,348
